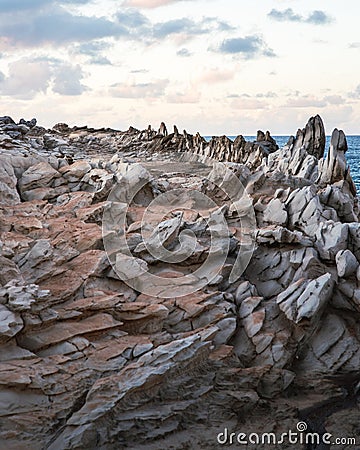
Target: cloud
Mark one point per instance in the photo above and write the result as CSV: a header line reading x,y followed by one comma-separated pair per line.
x,y
356,93
248,47
20,5
67,80
214,76
148,3
316,17
334,99
185,27
176,26
184,52
28,77
191,94
16,6
131,18
248,103
100,60
55,26
72,2
94,50
268,94
287,15
220,25
320,41
139,71
305,101
152,89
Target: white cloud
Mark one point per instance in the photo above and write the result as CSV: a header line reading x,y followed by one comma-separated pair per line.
x,y
26,78
248,103
67,80
149,3
305,101
191,94
249,46
316,17
216,75
153,89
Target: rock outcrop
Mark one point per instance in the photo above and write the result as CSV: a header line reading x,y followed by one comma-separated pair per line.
x,y
312,137
92,359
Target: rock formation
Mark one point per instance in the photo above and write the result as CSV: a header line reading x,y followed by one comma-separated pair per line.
x,y
89,361
312,137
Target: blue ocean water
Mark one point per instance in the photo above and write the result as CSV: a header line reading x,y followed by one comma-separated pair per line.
x,y
352,155
353,159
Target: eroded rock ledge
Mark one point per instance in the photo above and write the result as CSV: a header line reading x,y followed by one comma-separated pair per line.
x,y
88,362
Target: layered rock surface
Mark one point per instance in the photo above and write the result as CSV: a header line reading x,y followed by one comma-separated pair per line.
x,y
89,362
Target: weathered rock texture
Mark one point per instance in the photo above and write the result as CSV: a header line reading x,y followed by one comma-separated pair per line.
x,y
87,362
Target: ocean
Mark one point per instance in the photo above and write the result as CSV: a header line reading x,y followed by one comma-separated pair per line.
x,y
352,155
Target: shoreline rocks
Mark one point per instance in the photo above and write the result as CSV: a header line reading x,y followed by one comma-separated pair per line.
x,y
88,361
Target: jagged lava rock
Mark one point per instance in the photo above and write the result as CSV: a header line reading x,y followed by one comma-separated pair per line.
x,y
87,361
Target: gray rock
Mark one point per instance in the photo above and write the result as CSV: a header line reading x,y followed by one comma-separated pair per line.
x,y
312,137
8,182
344,203
8,270
134,366
305,210
275,212
334,167
37,176
346,263
305,298
254,322
248,305
331,238
10,324
227,328
74,172
163,235
243,291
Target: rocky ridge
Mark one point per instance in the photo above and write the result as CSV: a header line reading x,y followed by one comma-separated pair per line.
x,y
88,362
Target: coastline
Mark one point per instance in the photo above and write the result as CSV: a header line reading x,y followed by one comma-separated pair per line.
x,y
157,289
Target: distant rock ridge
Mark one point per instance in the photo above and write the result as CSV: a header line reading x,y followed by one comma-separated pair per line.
x,y
89,362
302,156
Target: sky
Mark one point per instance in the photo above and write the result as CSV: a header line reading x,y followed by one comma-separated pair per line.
x,y
217,67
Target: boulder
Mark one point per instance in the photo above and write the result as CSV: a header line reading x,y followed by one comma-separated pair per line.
x,y
8,183
306,299
276,212
37,176
10,324
74,172
346,263
334,168
312,137
331,238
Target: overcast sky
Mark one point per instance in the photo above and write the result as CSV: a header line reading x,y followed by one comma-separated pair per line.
x,y
229,66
